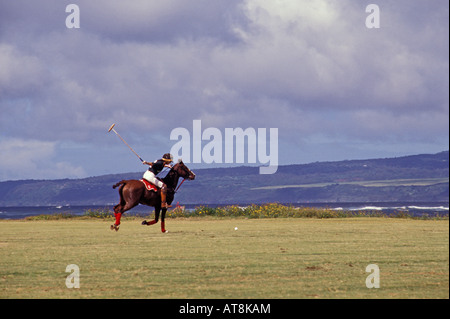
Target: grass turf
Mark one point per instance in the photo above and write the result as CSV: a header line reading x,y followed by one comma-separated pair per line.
x,y
207,258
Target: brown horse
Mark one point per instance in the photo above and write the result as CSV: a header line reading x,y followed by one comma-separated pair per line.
x,y
133,192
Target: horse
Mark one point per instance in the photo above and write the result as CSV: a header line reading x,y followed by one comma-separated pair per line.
x,y
133,192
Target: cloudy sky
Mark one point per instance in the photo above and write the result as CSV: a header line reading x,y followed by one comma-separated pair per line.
x,y
334,88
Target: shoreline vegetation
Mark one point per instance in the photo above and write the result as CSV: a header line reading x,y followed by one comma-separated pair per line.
x,y
271,210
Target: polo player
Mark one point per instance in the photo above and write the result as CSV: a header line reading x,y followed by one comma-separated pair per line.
x,y
155,168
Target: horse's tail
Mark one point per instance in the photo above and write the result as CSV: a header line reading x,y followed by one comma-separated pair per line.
x,y
122,182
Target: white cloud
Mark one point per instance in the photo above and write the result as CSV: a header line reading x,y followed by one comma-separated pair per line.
x,y
32,159
20,73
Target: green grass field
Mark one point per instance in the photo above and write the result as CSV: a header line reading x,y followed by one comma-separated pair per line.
x,y
207,258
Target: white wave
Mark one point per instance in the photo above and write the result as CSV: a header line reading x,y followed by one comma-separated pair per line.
x,y
428,208
369,208
438,208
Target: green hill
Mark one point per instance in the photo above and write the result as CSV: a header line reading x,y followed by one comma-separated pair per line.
x,y
417,178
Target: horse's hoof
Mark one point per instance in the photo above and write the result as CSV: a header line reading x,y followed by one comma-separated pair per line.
x,y
165,231
144,222
114,227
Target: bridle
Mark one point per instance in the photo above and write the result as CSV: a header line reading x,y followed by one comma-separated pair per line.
x,y
184,178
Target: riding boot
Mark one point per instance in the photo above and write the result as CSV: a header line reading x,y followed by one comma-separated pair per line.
x,y
163,201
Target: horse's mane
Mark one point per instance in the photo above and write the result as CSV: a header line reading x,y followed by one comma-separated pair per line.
x,y
170,176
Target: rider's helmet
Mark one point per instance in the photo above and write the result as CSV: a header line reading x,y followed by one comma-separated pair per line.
x,y
168,158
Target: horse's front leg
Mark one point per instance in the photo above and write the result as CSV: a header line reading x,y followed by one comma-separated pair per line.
x,y
157,210
163,222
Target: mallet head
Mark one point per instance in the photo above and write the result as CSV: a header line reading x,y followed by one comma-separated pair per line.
x,y
112,126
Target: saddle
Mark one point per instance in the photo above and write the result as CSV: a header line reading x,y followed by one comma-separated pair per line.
x,y
149,186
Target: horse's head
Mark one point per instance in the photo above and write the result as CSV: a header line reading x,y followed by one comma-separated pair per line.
x,y
183,171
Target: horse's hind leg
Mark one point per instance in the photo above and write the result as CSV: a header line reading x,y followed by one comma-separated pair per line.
x,y
119,209
129,198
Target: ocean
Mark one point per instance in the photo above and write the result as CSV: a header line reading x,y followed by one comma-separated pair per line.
x,y
414,209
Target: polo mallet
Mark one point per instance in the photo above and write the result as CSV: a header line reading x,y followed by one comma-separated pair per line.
x,y
112,129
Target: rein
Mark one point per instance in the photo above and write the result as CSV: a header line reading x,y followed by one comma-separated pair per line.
x,y
180,185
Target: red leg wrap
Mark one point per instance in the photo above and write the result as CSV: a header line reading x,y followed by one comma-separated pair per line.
x,y
118,216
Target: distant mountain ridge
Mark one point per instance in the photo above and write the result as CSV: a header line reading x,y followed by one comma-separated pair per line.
x,y
416,178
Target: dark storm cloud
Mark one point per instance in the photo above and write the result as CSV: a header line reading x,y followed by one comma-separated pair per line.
x,y
310,68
